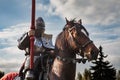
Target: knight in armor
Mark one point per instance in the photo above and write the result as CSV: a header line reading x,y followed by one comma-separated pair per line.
x,y
43,49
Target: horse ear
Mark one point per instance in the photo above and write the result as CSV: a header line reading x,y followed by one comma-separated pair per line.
x,y
66,20
80,21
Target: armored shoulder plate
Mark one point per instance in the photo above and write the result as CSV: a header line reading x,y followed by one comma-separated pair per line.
x,y
23,41
47,41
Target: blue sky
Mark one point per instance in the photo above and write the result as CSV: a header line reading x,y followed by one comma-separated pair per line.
x,y
100,18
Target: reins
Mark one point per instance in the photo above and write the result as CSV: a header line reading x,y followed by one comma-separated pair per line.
x,y
76,40
68,60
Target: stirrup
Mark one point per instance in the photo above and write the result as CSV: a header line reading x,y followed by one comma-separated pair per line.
x,y
29,75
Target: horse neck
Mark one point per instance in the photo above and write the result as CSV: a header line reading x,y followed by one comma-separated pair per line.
x,y
66,53
63,48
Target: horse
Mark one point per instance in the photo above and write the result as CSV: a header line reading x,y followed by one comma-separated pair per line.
x,y
74,39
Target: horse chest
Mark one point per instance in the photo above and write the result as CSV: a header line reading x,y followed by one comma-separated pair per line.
x,y
61,70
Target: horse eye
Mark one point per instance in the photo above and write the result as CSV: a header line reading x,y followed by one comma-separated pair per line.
x,y
83,31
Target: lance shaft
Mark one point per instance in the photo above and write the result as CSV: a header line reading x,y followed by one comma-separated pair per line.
x,y
32,36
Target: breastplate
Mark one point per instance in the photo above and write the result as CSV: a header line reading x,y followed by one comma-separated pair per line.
x,y
46,41
38,46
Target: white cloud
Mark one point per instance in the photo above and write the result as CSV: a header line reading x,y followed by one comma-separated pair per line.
x,y
41,7
11,57
93,12
11,34
10,50
11,64
14,31
112,47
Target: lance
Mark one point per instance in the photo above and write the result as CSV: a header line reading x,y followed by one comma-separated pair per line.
x,y
32,36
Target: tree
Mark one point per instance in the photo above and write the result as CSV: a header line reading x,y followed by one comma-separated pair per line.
x,y
87,74
118,75
79,76
1,74
102,69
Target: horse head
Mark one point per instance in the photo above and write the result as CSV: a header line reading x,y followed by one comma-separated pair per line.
x,y
78,39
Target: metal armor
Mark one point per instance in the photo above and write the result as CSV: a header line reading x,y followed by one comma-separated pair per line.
x,y
41,45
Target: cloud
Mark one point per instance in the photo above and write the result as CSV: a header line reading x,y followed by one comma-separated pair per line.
x,y
12,33
11,57
112,47
10,64
41,7
93,12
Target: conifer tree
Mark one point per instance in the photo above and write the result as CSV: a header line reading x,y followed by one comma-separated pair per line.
x,y
102,70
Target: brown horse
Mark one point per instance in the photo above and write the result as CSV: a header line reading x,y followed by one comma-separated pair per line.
x,y
74,39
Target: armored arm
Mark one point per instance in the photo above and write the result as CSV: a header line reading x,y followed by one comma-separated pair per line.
x,y
24,41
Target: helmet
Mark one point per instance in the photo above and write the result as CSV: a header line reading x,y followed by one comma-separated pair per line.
x,y
40,24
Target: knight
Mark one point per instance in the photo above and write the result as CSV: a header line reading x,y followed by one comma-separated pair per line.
x,y
43,48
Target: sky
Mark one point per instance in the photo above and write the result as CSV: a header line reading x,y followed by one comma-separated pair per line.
x,y
101,18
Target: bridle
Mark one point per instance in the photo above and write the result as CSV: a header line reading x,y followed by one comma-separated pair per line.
x,y
81,46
